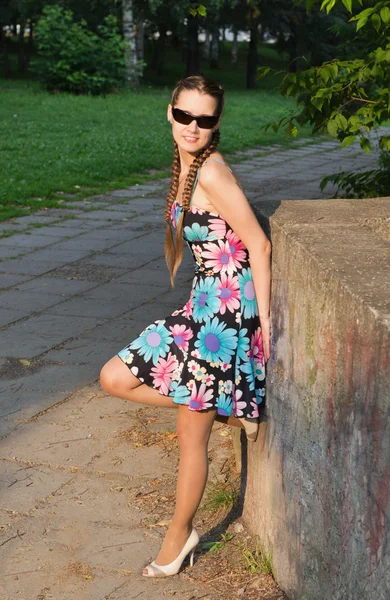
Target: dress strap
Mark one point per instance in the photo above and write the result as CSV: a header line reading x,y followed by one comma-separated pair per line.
x,y
218,160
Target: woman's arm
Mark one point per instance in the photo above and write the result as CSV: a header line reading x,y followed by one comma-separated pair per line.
x,y
222,191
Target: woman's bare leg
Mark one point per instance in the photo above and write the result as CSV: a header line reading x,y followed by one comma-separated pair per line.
x,y
193,430
117,379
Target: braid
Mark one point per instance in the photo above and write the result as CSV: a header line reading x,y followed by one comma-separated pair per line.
x,y
195,165
172,193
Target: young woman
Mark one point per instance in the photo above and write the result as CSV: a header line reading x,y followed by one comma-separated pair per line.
x,y
208,357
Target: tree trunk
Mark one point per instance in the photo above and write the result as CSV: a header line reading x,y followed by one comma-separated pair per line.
x,y
30,42
4,52
160,46
235,48
214,51
193,63
21,49
252,58
140,34
207,46
130,39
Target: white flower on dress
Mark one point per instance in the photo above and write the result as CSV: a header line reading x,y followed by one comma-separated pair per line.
x,y
220,386
190,384
228,386
208,379
196,354
238,317
237,380
225,366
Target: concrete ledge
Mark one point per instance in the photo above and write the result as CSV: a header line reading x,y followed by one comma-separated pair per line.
x,y
318,481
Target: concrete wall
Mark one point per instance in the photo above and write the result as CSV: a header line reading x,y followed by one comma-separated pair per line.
x,y
318,476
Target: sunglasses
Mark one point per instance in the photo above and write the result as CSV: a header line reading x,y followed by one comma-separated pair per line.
x,y
186,118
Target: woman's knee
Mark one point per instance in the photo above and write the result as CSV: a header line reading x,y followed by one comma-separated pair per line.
x,y
194,428
112,375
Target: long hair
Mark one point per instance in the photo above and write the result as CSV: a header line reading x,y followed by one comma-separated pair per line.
x,y
174,250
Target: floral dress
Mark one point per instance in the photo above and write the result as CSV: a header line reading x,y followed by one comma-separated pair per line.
x,y
209,352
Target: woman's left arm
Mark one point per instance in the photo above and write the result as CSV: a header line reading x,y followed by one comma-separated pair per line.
x,y
221,188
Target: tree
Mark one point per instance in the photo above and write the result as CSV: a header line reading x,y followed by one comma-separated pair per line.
x,y
348,98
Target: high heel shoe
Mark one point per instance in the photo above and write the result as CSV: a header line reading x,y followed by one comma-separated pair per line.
x,y
251,428
173,567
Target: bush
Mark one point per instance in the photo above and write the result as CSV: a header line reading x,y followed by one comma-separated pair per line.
x,y
71,58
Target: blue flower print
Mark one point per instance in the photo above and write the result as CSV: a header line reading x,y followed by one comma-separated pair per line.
x,y
249,368
179,393
196,233
126,355
206,301
224,405
247,292
215,342
243,344
153,342
259,395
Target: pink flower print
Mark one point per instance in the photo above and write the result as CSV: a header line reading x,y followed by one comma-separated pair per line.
x,y
200,397
221,260
229,293
255,411
238,404
218,227
237,248
195,210
163,373
181,335
187,308
256,349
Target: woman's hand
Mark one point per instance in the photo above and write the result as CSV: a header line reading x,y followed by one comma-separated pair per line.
x,y
265,330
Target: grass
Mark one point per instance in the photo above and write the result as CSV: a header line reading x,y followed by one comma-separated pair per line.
x,y
63,143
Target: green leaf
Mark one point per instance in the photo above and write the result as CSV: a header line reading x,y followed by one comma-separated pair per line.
x,y
361,23
262,72
384,142
332,128
376,22
365,145
348,5
385,14
202,10
347,141
341,121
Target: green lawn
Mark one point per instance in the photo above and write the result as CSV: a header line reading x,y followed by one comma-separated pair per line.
x,y
53,143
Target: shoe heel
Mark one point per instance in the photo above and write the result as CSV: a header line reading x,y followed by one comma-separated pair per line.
x,y
192,557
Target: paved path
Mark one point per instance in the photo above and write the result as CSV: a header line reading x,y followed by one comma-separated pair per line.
x,y
73,292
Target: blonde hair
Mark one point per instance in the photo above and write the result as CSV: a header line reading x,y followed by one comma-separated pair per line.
x,y
174,250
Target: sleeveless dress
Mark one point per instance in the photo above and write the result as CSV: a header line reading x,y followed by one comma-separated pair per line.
x,y
209,352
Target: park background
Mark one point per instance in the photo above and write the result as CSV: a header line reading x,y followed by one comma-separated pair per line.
x,y
84,87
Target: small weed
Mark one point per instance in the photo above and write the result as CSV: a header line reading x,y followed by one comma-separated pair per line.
x,y
217,546
256,561
221,494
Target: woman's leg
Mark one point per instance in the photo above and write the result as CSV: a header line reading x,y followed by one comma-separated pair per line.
x,y
117,379
193,430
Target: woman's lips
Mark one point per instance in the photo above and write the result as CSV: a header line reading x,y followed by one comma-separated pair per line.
x,y
189,139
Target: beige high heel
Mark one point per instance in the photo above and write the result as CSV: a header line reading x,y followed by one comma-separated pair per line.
x,y
251,429
173,567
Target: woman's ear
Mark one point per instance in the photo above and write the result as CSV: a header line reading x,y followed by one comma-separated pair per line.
x,y
169,113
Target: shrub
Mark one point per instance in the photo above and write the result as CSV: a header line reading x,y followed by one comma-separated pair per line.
x,y
71,58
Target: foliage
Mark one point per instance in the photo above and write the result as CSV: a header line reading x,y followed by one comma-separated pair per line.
x,y
368,184
346,98
75,59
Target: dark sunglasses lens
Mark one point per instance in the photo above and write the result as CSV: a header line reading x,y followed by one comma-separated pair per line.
x,y
181,117
207,122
